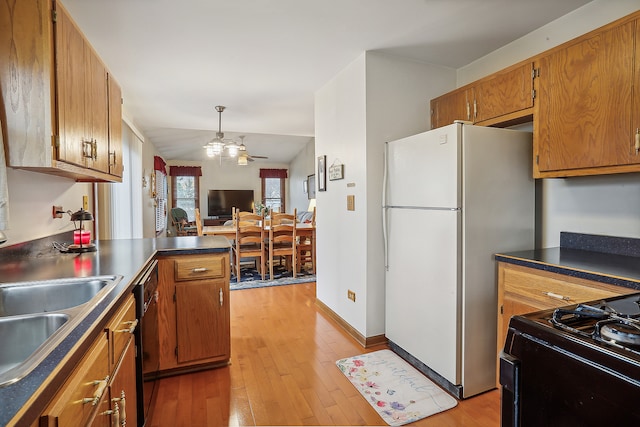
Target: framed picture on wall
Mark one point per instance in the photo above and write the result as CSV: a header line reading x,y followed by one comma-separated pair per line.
x,y
322,173
311,187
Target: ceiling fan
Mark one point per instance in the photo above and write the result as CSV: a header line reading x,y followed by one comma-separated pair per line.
x,y
243,154
228,148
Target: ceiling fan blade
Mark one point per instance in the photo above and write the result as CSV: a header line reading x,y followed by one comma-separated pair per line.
x,y
258,157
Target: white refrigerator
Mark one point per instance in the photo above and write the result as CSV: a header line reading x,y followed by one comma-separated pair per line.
x,y
453,197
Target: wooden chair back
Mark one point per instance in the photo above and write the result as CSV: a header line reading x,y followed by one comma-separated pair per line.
x,y
306,246
282,239
198,222
250,242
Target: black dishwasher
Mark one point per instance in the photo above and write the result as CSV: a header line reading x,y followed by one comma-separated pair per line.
x,y
147,342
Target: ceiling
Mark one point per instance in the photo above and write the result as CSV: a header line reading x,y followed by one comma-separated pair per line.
x,y
264,60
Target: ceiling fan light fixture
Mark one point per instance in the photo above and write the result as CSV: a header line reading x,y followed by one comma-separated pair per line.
x,y
232,149
243,160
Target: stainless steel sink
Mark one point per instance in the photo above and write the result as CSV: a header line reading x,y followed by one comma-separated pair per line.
x,y
22,335
47,296
37,316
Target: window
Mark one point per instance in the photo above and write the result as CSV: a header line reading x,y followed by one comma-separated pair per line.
x,y
185,188
159,193
273,189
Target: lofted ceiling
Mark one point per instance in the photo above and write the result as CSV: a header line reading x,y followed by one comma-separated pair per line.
x,y
264,60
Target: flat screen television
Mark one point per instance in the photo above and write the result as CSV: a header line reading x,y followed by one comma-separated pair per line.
x,y
221,202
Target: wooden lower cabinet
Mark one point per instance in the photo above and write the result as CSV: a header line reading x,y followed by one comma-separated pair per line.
x,y
194,317
105,374
523,290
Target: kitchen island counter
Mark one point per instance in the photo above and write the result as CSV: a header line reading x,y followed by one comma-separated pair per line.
x,y
606,259
22,402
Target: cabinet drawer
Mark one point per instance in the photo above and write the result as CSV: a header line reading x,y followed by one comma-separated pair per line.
x,y
200,267
79,397
548,290
121,330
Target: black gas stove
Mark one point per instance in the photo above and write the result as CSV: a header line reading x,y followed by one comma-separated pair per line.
x,y
574,366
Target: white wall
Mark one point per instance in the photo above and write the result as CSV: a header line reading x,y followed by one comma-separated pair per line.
x,y
227,176
375,99
32,196
300,167
600,205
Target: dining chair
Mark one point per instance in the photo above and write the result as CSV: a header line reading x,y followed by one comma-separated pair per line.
x,y
282,239
249,243
181,222
198,222
306,246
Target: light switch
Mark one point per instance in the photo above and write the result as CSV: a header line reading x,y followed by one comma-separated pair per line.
x,y
351,202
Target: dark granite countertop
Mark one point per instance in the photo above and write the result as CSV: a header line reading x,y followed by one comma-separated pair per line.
x,y
606,259
127,258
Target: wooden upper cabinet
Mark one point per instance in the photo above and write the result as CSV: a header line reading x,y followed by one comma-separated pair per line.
x,y
504,93
115,127
97,107
54,93
449,107
71,88
585,123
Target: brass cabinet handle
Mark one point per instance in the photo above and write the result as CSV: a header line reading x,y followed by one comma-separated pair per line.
x,y
637,140
132,326
221,297
557,296
101,386
112,153
123,404
115,415
87,149
199,270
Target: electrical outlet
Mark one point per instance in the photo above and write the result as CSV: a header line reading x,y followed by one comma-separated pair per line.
x,y
351,295
57,212
85,203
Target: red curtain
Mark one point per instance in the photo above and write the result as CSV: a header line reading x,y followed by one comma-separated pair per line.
x,y
159,164
185,171
273,173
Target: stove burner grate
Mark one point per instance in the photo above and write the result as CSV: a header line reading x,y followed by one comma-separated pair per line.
x,y
614,324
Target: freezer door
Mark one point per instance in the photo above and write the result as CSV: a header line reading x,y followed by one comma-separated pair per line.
x,y
423,287
423,169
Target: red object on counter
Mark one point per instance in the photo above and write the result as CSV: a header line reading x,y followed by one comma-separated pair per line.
x,y
81,237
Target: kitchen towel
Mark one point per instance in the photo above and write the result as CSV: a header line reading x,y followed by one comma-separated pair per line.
x,y
397,391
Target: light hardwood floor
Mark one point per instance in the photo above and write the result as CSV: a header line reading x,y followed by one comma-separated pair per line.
x,y
283,372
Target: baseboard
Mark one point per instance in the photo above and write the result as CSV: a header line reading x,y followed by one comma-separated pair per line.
x,y
365,342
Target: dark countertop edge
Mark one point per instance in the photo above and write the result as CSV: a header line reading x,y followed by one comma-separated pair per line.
x,y
38,396
567,271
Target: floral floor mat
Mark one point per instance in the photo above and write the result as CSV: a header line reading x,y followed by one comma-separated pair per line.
x,y
396,390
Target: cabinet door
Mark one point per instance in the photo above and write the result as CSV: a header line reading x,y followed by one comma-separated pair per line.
x,y
74,142
115,127
449,107
96,107
202,310
123,387
505,93
585,95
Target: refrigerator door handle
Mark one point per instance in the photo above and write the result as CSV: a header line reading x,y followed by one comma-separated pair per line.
x,y
384,208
